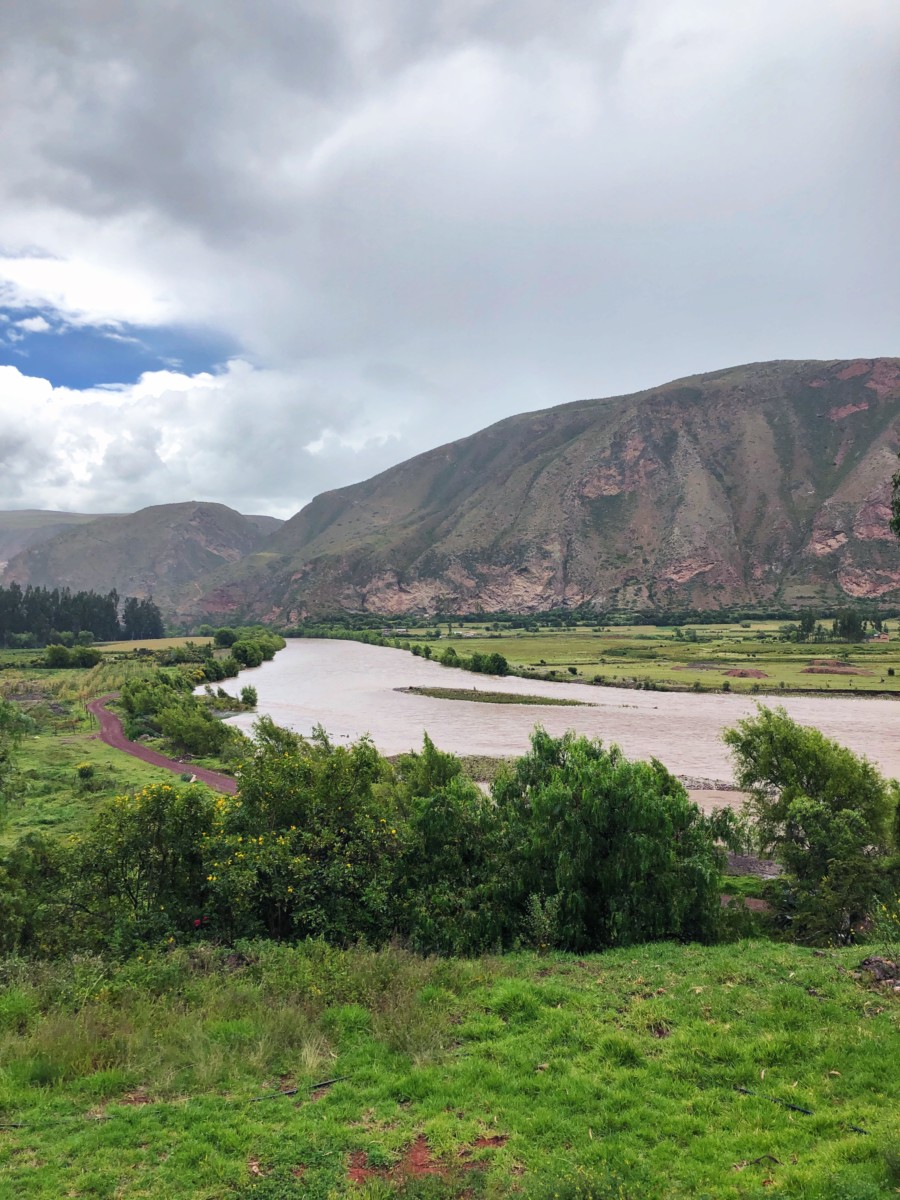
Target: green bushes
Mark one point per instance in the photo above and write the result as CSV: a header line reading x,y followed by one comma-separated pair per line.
x,y
827,815
163,704
577,847
60,657
481,664
620,846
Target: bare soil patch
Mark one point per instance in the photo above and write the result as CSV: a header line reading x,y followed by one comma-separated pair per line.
x,y
418,1161
833,666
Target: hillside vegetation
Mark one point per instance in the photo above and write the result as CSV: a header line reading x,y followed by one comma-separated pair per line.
x,y
160,551
666,1071
760,485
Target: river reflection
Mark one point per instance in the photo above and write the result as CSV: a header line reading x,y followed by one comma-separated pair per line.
x,y
351,689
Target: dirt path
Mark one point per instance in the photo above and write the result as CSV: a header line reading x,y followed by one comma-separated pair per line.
x,y
112,734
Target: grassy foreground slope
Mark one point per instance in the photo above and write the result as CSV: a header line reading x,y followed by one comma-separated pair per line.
x,y
613,1075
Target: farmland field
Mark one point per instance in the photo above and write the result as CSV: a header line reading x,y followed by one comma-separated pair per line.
x,y
738,658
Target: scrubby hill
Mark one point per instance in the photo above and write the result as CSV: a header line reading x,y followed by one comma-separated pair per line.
x,y
26,527
764,484
160,551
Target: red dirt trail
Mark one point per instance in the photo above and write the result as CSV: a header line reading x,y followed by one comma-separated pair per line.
x,y
112,734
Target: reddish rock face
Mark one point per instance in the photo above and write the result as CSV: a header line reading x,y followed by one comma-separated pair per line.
x,y
846,410
756,485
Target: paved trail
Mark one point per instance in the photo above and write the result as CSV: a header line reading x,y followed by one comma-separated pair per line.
x,y
112,734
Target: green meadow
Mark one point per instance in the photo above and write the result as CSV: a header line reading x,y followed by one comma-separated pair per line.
x,y
613,1075
742,659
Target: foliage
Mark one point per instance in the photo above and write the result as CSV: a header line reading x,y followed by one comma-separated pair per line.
x,y
38,613
59,657
616,1070
885,928
310,846
334,841
162,703
450,883
849,625
141,619
826,814
14,724
139,871
629,855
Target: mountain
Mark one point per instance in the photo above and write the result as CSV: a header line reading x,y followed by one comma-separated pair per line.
x,y
161,551
765,485
26,527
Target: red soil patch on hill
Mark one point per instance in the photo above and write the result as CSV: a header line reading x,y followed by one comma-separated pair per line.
x,y
418,1161
746,673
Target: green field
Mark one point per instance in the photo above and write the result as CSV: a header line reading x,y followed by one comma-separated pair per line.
x,y
634,655
168,643
608,1076
49,796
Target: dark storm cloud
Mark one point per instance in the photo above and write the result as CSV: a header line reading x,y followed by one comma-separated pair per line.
x,y
417,218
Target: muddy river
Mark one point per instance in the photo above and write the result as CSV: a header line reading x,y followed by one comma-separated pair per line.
x,y
352,689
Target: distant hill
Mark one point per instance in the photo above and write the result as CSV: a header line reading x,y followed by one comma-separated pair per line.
x,y
26,527
760,485
161,551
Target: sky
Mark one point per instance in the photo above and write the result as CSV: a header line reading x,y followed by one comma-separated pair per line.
x,y
251,251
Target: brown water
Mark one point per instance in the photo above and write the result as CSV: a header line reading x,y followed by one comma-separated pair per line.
x,y
351,689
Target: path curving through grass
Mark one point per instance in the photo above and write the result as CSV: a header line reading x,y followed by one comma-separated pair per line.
x,y
112,733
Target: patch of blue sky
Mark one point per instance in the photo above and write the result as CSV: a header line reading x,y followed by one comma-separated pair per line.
x,y
73,356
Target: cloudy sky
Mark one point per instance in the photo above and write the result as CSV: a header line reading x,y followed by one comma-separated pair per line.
x,y
254,249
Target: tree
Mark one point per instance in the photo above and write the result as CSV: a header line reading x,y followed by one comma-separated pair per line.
x,y
826,814
14,724
620,846
849,625
807,622
140,872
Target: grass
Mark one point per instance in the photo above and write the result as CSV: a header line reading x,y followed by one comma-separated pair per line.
x,y
49,796
611,1075
168,643
635,655
479,697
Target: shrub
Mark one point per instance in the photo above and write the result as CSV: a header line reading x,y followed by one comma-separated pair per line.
x,y
628,854
826,814
309,849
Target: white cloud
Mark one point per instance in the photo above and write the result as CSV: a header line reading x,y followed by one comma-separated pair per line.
x,y
417,218
245,436
34,325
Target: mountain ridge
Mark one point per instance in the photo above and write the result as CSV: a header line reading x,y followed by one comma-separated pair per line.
x,y
162,550
750,485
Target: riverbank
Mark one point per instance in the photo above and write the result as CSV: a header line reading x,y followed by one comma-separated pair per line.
x,y
352,689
